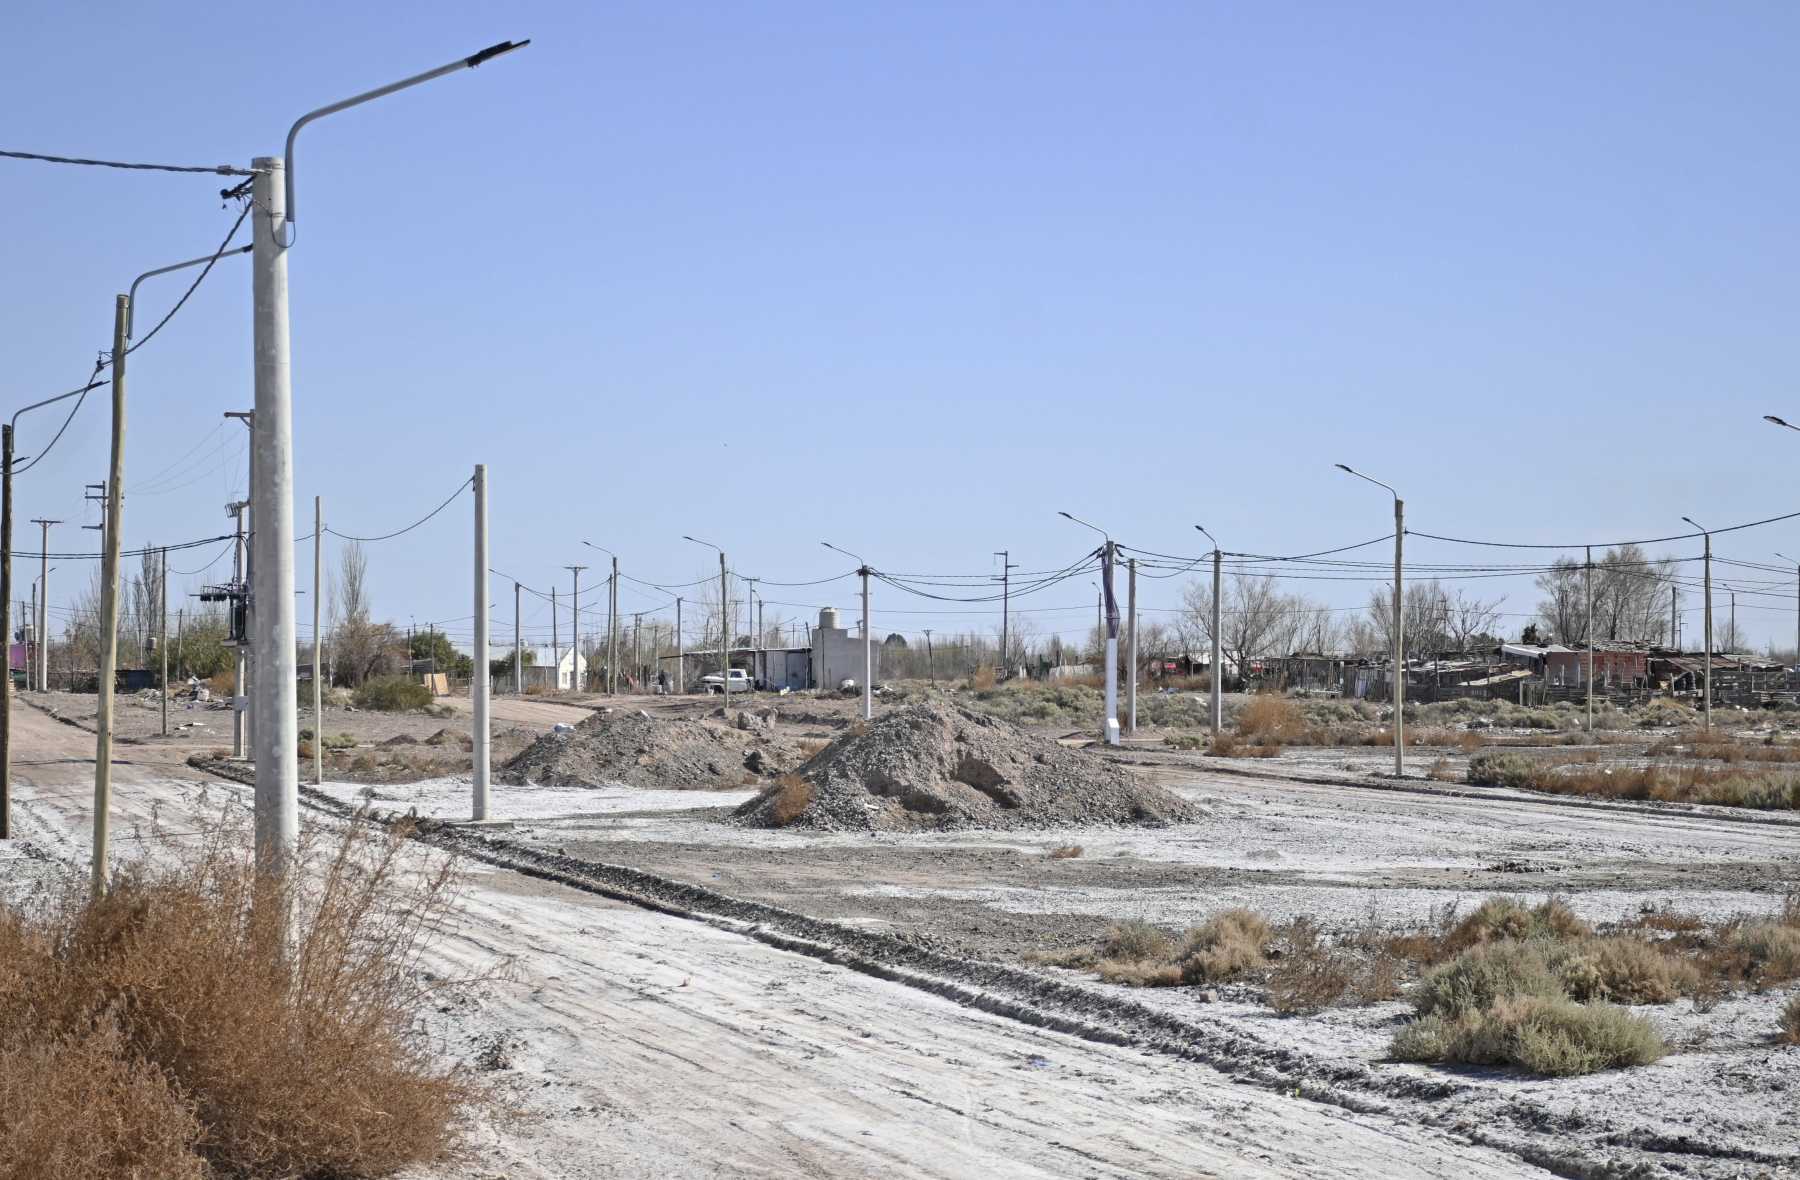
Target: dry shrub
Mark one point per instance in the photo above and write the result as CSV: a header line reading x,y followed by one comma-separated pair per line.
x,y
1225,745
1499,918
1184,741
1139,972
810,747
1066,852
1541,1034
1134,939
1626,970
1270,720
1227,944
80,1107
1312,975
1479,976
303,1063
1771,951
1441,771
1725,786
793,795
983,680
1790,1022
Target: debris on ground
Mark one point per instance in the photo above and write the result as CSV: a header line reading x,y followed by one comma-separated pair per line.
x,y
634,750
936,766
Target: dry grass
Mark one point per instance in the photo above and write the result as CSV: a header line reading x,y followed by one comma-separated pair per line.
x,y
1312,975
1228,944
793,795
1066,852
1727,786
1441,771
1268,719
983,680
1499,918
170,1006
1789,1033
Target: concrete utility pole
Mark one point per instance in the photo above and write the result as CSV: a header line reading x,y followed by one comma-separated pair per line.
x,y
868,639
318,668
518,647
162,638
1132,652
575,676
680,652
724,622
109,601
1706,660
754,626
1589,578
43,615
6,688
1006,569
244,704
612,629
1110,623
1217,667
480,688
1399,621
555,645
637,623
274,737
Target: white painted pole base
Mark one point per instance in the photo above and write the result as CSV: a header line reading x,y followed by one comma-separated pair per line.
x,y
1111,730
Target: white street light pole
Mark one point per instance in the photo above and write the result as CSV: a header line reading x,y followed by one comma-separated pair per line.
x,y
1218,617
1110,729
272,493
868,642
480,688
1399,621
1796,606
1706,660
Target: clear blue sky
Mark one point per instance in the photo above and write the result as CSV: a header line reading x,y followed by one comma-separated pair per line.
x,y
920,275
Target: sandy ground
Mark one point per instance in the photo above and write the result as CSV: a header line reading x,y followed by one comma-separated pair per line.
x,y
643,1044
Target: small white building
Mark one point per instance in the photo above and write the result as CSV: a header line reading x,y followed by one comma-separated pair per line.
x,y
554,668
837,653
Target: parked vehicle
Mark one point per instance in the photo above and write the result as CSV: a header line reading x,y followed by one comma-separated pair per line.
x,y
740,681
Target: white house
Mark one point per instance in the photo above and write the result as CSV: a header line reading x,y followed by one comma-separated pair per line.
x,y
563,660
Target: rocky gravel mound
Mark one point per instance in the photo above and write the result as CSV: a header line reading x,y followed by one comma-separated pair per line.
x,y
932,766
635,750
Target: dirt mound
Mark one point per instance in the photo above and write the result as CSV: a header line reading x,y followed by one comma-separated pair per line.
x,y
635,750
932,766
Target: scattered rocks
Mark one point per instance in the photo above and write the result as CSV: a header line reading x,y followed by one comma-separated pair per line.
x,y
944,767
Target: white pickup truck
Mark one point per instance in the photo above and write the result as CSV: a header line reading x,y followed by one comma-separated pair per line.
x,y
740,681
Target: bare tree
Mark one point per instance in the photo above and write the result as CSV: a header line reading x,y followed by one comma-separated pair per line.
x,y
1256,621
1469,620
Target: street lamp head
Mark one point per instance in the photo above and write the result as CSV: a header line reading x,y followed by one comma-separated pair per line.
x,y
1343,467
1695,523
1780,421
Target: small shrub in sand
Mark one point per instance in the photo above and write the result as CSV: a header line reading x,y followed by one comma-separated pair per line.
x,y
1227,944
1066,852
1311,975
1269,719
1789,1033
172,1028
791,795
392,694
1502,917
1498,769
1475,979
1544,1035
1135,939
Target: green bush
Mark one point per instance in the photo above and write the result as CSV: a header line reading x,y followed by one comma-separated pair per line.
x,y
1478,977
392,694
1545,1035
1502,769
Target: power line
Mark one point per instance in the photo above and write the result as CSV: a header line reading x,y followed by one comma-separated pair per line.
x,y
198,279
213,169
409,528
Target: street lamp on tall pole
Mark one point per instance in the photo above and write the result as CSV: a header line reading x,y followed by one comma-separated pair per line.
x,y
1399,620
1218,618
275,690
1110,729
868,676
1706,659
724,622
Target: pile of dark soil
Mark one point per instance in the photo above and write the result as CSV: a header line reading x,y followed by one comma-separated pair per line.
x,y
934,766
635,750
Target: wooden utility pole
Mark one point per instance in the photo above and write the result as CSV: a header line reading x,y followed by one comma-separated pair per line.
x,y
318,665
680,655
109,603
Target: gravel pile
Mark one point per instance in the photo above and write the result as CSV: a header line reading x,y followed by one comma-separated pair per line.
x,y
635,750
932,766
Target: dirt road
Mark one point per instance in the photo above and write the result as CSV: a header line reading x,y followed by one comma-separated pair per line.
x,y
647,1045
